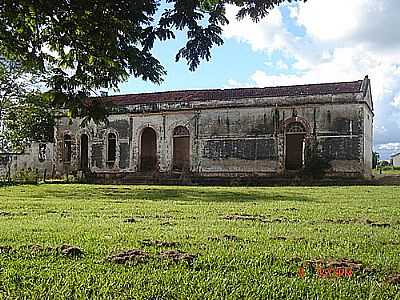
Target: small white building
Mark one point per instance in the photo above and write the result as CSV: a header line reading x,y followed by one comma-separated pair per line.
x,y
395,159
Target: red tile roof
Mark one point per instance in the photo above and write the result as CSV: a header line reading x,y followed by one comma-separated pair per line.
x,y
230,94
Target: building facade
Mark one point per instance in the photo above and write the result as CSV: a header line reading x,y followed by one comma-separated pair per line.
x,y
269,132
395,160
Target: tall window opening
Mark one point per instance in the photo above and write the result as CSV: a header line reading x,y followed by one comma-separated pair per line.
x,y
181,144
111,147
67,148
84,152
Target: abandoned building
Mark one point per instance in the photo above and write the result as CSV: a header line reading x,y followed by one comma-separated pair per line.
x,y
245,132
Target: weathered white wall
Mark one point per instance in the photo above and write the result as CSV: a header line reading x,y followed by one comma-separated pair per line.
x,y
396,161
14,163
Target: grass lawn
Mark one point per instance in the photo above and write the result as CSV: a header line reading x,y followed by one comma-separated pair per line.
x,y
250,242
386,172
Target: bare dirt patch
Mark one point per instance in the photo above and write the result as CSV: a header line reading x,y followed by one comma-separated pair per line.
x,y
245,217
340,221
334,268
380,224
259,218
286,209
167,224
153,216
130,220
393,279
285,238
357,221
133,256
178,256
5,249
391,242
158,243
225,237
35,249
229,238
70,251
279,238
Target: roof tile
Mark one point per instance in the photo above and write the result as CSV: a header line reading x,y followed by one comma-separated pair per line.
x,y
231,94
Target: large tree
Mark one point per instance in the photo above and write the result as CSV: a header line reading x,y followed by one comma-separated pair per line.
x,y
26,115
82,46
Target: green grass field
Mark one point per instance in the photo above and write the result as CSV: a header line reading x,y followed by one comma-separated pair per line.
x,y
249,242
386,171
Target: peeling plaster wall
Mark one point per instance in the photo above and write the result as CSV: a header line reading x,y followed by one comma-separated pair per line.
x,y
234,137
11,164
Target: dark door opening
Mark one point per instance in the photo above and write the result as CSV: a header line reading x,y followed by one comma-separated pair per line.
x,y
84,152
295,135
181,155
67,148
294,151
148,153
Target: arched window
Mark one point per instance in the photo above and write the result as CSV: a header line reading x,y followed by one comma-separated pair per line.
x,y
67,148
181,154
111,147
181,131
295,128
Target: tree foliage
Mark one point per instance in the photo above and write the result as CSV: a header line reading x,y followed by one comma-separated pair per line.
x,y
25,114
32,119
82,46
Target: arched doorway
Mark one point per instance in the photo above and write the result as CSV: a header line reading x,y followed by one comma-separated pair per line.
x,y
84,152
295,145
181,145
148,150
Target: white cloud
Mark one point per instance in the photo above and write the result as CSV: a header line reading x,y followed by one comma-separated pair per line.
x,y
236,84
282,65
374,23
269,34
396,101
388,149
320,18
389,146
343,40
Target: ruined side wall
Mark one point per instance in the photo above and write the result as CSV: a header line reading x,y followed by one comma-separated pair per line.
x,y
97,143
36,159
340,138
64,126
249,139
368,144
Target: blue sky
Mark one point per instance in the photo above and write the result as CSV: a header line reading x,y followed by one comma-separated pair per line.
x,y
317,41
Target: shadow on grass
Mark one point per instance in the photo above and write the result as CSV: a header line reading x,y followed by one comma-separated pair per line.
x,y
172,193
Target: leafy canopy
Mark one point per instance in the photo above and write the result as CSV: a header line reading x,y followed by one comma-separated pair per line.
x,y
25,114
82,46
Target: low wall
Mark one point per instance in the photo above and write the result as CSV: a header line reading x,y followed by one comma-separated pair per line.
x,y
36,159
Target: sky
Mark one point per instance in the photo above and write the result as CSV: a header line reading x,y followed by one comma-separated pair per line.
x,y
302,43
